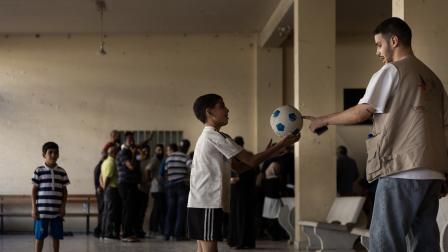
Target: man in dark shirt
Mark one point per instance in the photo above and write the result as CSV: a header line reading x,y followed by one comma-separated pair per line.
x,y
128,178
347,172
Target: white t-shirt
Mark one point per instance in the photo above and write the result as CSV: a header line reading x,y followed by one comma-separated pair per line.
x,y
382,84
210,170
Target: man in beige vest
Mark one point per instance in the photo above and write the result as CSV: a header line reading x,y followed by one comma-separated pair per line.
x,y
407,146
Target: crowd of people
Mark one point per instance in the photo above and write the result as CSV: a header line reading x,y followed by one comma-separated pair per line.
x,y
130,174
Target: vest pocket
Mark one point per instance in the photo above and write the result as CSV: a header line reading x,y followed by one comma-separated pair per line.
x,y
373,167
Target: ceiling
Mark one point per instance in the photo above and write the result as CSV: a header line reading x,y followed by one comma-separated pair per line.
x,y
169,16
135,16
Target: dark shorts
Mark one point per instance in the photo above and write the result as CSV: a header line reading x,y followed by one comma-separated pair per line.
x,y
205,224
41,228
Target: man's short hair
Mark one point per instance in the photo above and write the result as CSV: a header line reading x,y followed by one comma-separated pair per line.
x,y
128,134
49,145
160,145
112,150
145,146
342,150
184,145
395,26
204,102
173,147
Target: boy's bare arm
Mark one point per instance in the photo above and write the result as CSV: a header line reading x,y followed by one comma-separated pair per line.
x,y
64,201
254,160
33,202
239,167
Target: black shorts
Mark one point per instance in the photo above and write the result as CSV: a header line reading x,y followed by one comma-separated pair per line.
x,y
205,224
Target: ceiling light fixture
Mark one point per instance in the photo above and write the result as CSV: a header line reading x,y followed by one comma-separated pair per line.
x,y
101,7
284,31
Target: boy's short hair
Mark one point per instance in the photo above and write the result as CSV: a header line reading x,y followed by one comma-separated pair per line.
x,y
49,145
204,102
395,26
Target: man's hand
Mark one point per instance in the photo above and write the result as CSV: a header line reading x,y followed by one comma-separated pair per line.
x,y
34,213
234,180
316,123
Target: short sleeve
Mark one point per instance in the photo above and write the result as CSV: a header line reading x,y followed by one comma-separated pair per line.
x,y
225,144
35,179
380,88
106,169
65,180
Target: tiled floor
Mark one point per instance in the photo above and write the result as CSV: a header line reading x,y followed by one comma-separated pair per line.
x,y
80,242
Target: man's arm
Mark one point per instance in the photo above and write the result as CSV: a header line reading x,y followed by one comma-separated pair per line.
x,y
353,115
254,160
129,165
33,202
106,182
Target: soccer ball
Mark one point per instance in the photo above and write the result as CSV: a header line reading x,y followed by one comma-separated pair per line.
x,y
286,120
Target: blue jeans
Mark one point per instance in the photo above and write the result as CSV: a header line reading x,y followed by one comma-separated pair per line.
x,y
176,217
404,216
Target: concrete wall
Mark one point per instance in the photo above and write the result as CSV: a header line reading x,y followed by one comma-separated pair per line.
x,y
59,88
429,26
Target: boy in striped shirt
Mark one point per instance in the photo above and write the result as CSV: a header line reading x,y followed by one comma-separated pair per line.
x,y
49,196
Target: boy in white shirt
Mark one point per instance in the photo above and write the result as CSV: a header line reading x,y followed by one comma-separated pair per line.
x,y
210,173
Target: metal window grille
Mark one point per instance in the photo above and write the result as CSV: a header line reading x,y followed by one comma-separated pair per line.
x,y
164,137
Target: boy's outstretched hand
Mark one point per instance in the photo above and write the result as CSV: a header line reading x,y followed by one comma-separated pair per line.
x,y
289,140
270,144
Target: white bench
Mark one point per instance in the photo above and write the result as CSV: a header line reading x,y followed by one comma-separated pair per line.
x,y
365,236
286,217
442,221
334,234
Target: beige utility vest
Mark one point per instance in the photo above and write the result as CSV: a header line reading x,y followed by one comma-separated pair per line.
x,y
410,132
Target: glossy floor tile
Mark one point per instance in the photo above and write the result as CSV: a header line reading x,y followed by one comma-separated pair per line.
x,y
80,242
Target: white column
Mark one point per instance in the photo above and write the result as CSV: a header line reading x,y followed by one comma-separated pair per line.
x,y
269,90
314,94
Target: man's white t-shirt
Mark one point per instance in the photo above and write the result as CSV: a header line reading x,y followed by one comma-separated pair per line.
x,y
381,86
210,170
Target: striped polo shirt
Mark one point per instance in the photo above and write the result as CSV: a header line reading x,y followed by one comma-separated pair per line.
x,y
176,168
50,183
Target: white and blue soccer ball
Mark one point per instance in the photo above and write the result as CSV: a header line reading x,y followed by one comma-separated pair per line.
x,y
286,120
